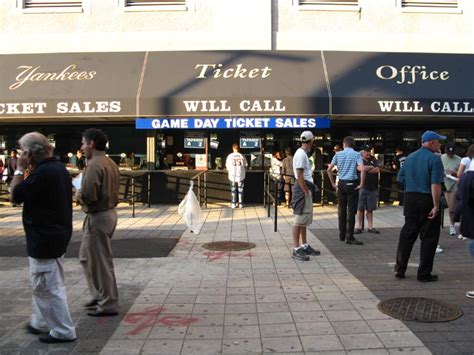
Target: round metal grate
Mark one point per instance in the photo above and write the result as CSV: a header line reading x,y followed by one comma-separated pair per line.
x,y
420,309
228,246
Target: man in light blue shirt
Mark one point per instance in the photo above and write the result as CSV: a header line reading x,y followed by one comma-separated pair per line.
x,y
348,162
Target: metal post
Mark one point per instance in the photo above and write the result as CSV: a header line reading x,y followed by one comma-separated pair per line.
x,y
276,207
149,189
205,189
323,194
199,190
133,197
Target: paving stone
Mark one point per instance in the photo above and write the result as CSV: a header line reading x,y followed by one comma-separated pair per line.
x,y
275,318
241,331
321,343
207,346
167,332
241,346
281,344
277,330
165,346
399,339
360,341
241,319
351,327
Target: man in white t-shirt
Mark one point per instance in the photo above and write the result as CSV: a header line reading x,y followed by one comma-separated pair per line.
x,y
302,199
236,165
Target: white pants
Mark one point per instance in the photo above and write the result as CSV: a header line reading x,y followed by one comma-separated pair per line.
x,y
50,309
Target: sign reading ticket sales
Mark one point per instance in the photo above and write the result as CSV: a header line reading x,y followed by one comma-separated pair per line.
x,y
234,122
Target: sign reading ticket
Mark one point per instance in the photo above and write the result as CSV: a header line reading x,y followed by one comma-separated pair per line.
x,y
235,122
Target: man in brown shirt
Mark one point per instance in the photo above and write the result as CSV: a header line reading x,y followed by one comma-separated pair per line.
x,y
98,197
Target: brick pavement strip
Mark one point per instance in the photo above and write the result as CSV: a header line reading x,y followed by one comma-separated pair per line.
x,y
196,302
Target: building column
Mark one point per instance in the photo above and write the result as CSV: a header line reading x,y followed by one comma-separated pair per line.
x,y
151,149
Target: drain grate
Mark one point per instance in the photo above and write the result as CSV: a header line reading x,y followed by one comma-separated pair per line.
x,y
420,309
228,246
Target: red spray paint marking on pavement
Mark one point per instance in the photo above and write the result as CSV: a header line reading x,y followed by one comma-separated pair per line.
x,y
150,316
177,321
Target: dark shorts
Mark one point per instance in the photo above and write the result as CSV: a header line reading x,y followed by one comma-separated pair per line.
x,y
367,200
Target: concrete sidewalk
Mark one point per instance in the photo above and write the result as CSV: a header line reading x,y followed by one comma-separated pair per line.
x,y
197,301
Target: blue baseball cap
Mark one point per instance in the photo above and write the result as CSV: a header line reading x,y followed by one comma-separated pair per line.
x,y
431,136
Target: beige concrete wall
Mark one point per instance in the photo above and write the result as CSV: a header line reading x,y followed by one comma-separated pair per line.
x,y
105,26
378,25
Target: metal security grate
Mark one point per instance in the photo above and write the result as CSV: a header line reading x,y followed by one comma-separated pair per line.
x,y
451,4
420,309
228,246
38,4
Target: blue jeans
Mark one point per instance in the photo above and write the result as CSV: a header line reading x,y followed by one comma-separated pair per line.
x,y
237,188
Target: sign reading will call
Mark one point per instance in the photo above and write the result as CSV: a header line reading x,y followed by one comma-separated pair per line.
x,y
235,122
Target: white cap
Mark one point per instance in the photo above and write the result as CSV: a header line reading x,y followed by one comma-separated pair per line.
x,y
306,136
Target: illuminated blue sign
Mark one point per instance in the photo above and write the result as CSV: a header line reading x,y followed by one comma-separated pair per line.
x,y
250,142
234,122
195,143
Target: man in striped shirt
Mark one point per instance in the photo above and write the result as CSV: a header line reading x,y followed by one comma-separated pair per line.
x,y
348,162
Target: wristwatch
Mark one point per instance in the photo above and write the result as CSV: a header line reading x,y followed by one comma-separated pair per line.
x,y
18,172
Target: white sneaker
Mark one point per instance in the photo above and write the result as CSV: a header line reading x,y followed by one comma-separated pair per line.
x,y
452,230
460,236
241,205
232,205
470,294
438,250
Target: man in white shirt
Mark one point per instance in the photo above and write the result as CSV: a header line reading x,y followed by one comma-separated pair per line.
x,y
236,165
303,198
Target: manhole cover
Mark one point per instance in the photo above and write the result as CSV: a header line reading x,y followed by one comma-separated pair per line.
x,y
228,246
420,309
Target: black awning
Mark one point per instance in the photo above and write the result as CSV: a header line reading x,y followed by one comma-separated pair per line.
x,y
401,84
227,83
69,85
235,83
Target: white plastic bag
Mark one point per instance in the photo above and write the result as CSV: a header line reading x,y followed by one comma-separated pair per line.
x,y
191,212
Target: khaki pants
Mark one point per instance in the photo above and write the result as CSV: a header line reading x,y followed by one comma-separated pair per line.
x,y
95,256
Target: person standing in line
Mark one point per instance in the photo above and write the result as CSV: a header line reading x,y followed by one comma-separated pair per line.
x,y
303,199
422,175
451,163
47,219
98,197
276,172
348,162
368,193
288,175
465,209
466,161
397,164
236,165
11,164
80,160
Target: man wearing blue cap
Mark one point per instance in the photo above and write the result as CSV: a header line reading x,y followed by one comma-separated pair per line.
x,y
422,175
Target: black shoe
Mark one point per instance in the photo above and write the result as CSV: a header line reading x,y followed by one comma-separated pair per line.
x,y
97,313
358,231
48,339
91,305
311,251
399,275
30,329
354,242
300,255
428,278
373,230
